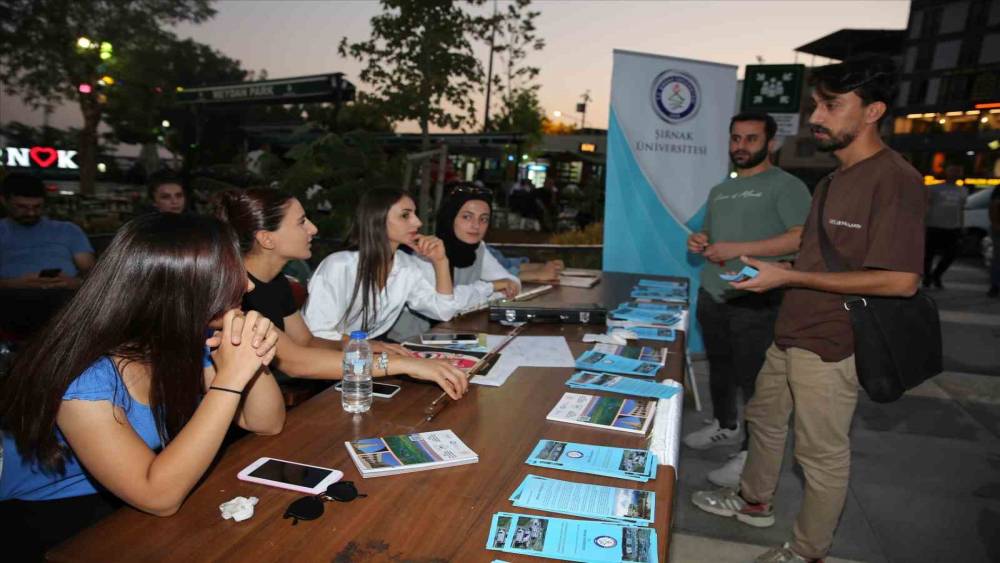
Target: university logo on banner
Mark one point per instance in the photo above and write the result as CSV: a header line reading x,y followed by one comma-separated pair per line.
x,y
675,96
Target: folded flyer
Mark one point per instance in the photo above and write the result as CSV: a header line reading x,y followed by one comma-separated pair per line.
x,y
621,463
665,284
462,358
647,316
571,540
616,504
654,305
602,361
653,333
620,384
404,453
642,353
613,413
674,295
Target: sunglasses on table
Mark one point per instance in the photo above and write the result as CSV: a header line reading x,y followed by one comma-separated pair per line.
x,y
311,508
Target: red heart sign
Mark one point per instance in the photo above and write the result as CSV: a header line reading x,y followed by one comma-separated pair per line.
x,y
44,156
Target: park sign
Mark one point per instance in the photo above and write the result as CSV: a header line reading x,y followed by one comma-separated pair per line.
x,y
40,157
303,89
777,90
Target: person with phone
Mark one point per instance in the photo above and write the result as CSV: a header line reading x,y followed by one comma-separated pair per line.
x,y
143,399
758,213
272,229
32,245
462,222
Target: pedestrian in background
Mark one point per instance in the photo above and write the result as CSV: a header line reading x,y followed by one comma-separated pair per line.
x,y
945,213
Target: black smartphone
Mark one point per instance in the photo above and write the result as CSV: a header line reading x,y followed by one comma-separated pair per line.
x,y
50,273
384,390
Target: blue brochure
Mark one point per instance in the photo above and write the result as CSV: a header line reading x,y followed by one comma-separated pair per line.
x,y
599,361
648,316
660,294
620,384
668,284
621,463
746,273
651,333
617,504
663,307
571,540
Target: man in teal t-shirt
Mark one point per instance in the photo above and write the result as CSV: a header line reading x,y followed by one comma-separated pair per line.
x,y
759,213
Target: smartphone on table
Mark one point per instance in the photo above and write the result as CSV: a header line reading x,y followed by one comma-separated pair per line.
x,y
383,390
50,273
309,479
449,338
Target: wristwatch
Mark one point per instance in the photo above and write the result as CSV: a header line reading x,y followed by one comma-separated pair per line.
x,y
383,362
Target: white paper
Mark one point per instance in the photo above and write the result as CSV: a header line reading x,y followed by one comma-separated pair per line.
x,y
666,436
528,351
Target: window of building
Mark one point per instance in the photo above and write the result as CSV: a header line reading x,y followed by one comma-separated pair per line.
x,y
990,52
925,51
930,22
904,93
918,92
932,90
955,88
946,54
971,46
953,19
916,19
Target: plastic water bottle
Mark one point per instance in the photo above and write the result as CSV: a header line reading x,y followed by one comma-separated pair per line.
x,y
356,394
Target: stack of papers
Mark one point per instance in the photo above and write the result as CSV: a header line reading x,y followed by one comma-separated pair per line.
x,y
664,284
614,504
406,453
579,277
664,294
621,463
650,333
571,540
527,351
655,306
593,360
628,317
612,413
620,384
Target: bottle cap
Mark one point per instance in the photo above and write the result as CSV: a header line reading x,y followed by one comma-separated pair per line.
x,y
359,335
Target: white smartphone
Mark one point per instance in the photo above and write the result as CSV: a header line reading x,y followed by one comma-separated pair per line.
x,y
299,477
449,338
384,390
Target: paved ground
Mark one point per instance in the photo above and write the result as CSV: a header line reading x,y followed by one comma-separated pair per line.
x,y
925,483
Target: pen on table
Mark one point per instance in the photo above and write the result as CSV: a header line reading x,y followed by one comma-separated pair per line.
x,y
487,361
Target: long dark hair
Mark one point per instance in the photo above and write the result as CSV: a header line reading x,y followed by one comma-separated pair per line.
x,y
252,210
370,238
149,299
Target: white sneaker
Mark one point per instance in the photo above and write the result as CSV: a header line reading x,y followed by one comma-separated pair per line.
x,y
729,474
711,436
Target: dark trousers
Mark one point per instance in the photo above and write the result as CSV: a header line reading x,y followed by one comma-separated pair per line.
x,y
737,334
943,243
30,528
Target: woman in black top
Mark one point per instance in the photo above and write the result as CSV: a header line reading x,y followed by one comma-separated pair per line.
x,y
272,228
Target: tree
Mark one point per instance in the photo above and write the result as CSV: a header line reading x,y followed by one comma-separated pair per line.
x,y
44,61
419,61
142,107
515,38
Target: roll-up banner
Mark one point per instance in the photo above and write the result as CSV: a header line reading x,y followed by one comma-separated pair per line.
x,y
667,146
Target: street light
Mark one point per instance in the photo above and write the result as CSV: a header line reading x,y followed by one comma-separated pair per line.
x,y
165,123
84,43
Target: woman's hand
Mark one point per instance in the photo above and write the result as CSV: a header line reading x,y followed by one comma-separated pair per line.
x,y
551,270
379,346
431,247
246,343
509,288
452,380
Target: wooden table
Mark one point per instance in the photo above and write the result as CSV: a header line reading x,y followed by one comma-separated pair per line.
x,y
440,515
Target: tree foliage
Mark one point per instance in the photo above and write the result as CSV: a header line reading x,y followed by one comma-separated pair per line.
x,y
41,62
516,37
420,63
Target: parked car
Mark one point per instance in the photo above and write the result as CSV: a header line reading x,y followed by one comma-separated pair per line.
x,y
977,221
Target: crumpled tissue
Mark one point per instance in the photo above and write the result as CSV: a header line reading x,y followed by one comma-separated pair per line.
x,y
239,509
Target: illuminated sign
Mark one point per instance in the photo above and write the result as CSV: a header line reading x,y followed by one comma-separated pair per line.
x,y
588,147
932,181
42,157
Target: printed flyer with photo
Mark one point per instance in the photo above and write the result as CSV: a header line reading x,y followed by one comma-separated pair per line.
x,y
653,333
405,453
621,463
613,413
601,361
620,384
642,353
571,540
628,506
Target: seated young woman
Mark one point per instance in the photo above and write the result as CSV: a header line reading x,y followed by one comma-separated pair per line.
x,y
272,228
122,398
462,222
367,288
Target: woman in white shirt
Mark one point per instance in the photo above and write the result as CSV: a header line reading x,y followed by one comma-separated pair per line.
x,y
367,288
462,222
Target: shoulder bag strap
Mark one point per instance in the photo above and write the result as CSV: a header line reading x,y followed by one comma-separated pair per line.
x,y
831,257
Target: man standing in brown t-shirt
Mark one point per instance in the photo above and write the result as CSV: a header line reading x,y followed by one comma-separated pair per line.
x,y
874,216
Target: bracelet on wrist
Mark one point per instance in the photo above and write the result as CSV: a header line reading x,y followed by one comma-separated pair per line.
x,y
226,389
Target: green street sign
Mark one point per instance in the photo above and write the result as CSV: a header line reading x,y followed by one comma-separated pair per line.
x,y
321,88
772,88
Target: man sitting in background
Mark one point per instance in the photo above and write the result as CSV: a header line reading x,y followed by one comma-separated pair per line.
x,y
37,252
166,192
